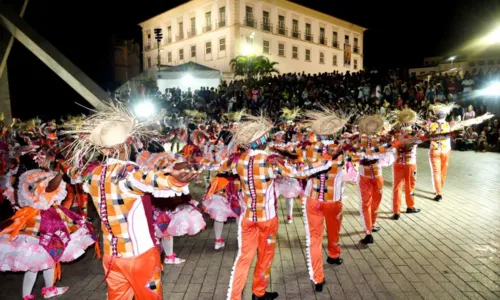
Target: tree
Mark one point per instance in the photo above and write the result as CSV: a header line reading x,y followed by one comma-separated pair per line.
x,y
252,66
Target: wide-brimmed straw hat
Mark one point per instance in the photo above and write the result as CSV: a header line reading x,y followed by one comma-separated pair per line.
x,y
290,115
253,131
372,124
326,121
443,109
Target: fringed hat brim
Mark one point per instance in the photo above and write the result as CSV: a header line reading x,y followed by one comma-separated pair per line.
x,y
373,124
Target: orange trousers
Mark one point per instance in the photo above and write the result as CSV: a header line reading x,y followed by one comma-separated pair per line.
x,y
134,277
370,193
317,212
407,174
439,165
253,237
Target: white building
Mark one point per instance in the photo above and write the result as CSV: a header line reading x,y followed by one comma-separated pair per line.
x,y
481,62
212,32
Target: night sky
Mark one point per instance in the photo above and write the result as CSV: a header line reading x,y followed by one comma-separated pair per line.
x,y
400,34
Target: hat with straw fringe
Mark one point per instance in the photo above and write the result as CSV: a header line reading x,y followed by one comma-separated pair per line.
x,y
326,122
443,110
196,115
235,116
405,117
291,114
109,128
371,124
253,131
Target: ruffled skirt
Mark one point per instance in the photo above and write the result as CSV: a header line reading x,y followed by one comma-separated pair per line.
x,y
288,187
24,252
219,208
184,219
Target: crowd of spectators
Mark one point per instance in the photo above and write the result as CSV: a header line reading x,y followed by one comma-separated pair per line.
x,y
363,92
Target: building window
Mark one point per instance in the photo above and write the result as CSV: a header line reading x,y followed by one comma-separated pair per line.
x,y
491,62
356,48
322,39
480,63
265,47
308,55
308,33
181,54
295,29
193,26
222,44
346,40
222,16
334,60
149,62
169,34
281,25
193,51
335,39
249,21
355,64
472,64
208,20
169,57
181,31
266,22
208,47
321,58
281,49
295,52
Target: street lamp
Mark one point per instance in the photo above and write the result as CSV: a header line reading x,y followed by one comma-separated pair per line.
x,y
452,59
158,38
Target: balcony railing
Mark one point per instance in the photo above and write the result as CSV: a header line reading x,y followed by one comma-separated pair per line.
x,y
207,28
191,33
355,49
282,30
323,41
296,34
168,40
266,26
179,37
250,22
309,37
335,44
221,23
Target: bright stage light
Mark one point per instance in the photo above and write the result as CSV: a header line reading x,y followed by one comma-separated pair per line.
x,y
187,79
493,89
144,109
493,37
247,49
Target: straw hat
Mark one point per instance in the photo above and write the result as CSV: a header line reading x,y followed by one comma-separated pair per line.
x,y
109,129
442,109
326,121
235,116
290,114
253,131
372,124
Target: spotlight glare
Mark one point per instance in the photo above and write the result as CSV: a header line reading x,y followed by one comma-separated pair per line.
x,y
491,90
144,109
187,79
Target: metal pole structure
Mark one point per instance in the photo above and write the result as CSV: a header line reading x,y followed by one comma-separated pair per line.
x,y
54,59
3,64
158,37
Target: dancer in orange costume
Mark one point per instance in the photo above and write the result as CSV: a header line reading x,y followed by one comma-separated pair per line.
x,y
439,152
322,201
258,225
131,260
369,148
404,170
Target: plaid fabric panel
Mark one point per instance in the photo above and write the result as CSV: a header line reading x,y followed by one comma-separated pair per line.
x,y
439,136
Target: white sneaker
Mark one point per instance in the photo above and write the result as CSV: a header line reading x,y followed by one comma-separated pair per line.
x,y
289,219
173,260
219,243
53,291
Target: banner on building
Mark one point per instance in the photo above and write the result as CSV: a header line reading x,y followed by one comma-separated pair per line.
x,y
347,54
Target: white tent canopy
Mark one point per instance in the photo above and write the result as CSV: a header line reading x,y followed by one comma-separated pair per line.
x,y
188,75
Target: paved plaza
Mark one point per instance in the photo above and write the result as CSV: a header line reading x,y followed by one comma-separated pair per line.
x,y
451,250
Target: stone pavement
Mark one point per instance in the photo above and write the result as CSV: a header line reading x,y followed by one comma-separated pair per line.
x,y
448,251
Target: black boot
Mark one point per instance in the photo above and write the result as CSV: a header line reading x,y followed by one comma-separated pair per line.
x,y
319,286
334,261
413,210
267,296
395,217
375,228
438,198
367,240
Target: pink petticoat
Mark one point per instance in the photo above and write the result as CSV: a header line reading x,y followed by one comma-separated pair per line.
x,y
288,187
24,252
185,219
219,208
